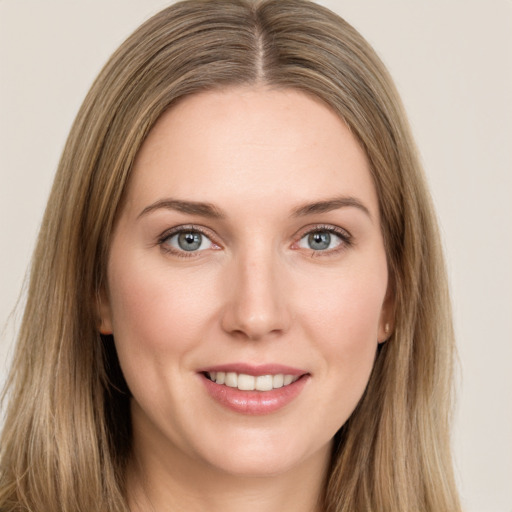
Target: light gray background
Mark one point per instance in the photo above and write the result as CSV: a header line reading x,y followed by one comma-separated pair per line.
x,y
452,62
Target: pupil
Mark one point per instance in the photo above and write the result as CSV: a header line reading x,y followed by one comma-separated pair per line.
x,y
189,241
319,241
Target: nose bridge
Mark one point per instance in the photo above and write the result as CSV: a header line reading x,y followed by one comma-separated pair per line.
x,y
257,302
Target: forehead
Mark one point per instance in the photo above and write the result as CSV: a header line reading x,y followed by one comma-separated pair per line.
x,y
251,144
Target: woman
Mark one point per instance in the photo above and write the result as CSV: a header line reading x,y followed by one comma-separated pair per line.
x,y
245,299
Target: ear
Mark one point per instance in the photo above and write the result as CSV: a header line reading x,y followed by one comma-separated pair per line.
x,y
387,316
104,313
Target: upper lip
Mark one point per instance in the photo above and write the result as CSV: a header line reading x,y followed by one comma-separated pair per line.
x,y
254,369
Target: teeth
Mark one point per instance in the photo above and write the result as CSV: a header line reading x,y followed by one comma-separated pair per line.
x,y
246,382
231,380
264,382
278,381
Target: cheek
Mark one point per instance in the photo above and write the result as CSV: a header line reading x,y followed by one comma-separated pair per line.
x,y
154,311
351,341
343,318
346,307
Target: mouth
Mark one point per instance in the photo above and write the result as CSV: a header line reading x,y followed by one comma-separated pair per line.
x,y
254,390
245,382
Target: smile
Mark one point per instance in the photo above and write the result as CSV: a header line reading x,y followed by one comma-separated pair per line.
x,y
254,390
245,382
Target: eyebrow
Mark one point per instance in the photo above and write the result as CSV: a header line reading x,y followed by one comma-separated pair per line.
x,y
330,205
207,210
210,211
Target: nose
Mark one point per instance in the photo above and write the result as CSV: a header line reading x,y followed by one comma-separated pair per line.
x,y
257,304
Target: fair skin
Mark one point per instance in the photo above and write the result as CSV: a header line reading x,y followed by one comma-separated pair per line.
x,y
280,270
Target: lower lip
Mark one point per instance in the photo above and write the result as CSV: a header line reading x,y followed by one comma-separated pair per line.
x,y
254,402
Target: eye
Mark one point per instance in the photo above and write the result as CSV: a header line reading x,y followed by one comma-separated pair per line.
x,y
324,240
320,241
186,241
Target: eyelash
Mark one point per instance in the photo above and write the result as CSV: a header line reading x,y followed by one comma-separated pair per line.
x,y
176,231
345,237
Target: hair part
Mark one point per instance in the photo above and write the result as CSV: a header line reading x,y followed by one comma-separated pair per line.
x,y
66,439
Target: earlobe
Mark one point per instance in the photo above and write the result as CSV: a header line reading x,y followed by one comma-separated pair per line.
x,y
386,323
385,332
104,328
104,313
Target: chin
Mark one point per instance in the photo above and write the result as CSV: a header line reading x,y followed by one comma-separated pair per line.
x,y
265,457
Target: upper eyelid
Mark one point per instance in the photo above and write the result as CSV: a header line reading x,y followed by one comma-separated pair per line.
x,y
184,228
324,227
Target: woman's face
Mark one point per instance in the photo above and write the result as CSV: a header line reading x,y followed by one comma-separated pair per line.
x,y
247,254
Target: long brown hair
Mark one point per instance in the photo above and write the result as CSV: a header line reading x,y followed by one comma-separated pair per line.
x,y
66,438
